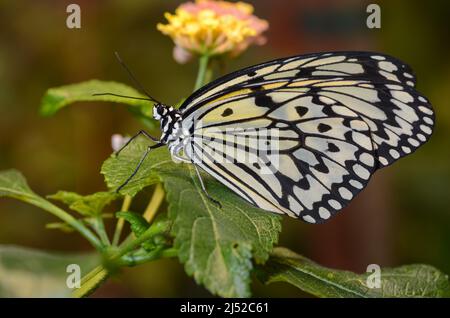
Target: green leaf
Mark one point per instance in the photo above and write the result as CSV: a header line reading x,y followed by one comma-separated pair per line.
x,y
59,97
137,222
13,184
27,272
216,244
405,281
117,169
88,205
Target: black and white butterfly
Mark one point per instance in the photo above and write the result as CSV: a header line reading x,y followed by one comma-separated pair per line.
x,y
339,117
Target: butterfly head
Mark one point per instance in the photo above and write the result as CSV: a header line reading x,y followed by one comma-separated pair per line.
x,y
160,111
169,118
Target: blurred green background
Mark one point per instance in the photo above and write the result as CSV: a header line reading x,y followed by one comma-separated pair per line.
x,y
402,217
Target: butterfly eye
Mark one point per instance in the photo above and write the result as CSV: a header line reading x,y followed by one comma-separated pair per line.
x,y
158,111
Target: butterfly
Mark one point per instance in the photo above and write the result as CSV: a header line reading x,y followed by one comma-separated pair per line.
x,y
330,120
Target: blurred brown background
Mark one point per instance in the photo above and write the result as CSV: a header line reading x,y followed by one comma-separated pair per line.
x,y
402,217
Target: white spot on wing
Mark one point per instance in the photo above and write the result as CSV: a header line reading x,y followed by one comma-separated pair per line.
x,y
367,94
362,140
421,137
324,213
394,153
294,206
344,111
294,64
326,100
383,161
335,204
402,96
286,74
306,156
309,219
387,66
413,142
356,184
425,129
345,193
359,125
328,60
389,76
352,68
428,120
406,149
393,86
360,171
367,159
425,110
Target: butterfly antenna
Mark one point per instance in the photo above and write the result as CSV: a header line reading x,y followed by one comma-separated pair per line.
x,y
124,96
134,79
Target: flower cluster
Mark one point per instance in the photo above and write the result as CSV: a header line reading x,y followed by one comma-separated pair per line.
x,y
213,28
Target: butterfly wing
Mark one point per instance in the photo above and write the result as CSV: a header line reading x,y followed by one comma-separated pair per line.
x,y
339,116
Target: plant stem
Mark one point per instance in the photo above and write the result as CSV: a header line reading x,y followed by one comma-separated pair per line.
x,y
101,231
203,71
66,217
154,229
91,282
150,211
120,223
157,253
93,279
155,202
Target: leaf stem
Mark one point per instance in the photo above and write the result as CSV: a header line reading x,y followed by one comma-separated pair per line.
x,y
150,211
66,217
120,223
154,229
91,281
203,71
141,258
155,202
101,231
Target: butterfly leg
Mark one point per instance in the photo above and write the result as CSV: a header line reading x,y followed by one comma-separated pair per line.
x,y
202,184
139,165
141,132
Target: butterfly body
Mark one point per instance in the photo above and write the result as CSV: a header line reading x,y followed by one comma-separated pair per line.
x,y
336,117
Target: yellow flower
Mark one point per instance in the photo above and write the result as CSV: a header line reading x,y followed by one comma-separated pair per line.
x,y
213,28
